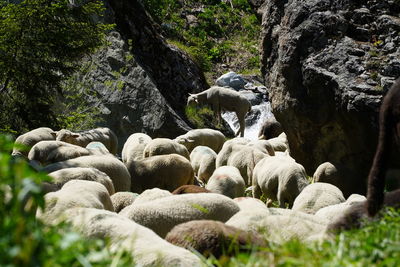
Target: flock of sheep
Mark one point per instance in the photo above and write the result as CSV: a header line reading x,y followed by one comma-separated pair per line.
x,y
167,198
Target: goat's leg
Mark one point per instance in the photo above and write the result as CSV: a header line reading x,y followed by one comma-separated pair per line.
x,y
241,125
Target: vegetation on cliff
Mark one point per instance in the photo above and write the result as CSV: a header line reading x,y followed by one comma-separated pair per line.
x,y
219,35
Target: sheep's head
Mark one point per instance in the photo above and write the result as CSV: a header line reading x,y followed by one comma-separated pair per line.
x,y
187,142
66,136
192,100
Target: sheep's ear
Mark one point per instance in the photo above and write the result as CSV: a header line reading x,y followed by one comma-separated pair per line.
x,y
54,134
189,140
75,135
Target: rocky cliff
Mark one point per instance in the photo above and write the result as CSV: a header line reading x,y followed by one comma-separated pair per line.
x,y
139,82
327,65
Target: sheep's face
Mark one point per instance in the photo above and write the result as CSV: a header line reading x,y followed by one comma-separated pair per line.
x,y
67,136
188,143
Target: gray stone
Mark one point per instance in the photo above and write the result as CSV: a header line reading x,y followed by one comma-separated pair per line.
x,y
231,79
317,60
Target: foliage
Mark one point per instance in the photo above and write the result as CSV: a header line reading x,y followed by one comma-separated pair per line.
x,y
41,42
198,115
222,31
72,108
24,241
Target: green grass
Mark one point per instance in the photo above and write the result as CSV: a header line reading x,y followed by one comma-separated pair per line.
x,y
224,32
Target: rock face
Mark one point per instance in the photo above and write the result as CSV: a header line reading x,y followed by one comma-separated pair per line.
x,y
127,96
139,82
327,65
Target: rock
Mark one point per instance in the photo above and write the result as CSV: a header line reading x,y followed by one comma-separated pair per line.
x,y
231,79
127,97
322,63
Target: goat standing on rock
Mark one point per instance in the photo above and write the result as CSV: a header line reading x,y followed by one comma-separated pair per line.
x,y
221,98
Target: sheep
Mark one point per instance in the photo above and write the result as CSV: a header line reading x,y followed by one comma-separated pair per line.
x,y
46,152
317,196
202,137
357,214
280,143
98,148
279,178
164,171
245,158
161,215
336,173
249,203
203,159
220,98
75,193
332,212
121,200
146,248
226,180
103,135
270,128
108,164
227,148
61,177
151,194
263,145
164,146
187,189
389,125
29,139
279,225
215,238
134,147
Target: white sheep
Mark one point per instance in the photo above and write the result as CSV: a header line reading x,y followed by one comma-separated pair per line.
x,y
220,98
317,196
63,176
279,178
280,143
164,146
134,147
161,215
203,159
29,139
226,180
333,212
163,171
146,247
103,135
245,159
151,194
227,148
249,203
75,193
98,148
121,200
47,152
108,164
202,137
279,225
263,145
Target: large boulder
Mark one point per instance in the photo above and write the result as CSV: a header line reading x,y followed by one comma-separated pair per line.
x,y
327,65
